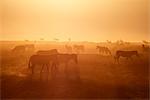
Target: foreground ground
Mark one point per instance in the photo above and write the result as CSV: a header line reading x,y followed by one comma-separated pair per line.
x,y
94,77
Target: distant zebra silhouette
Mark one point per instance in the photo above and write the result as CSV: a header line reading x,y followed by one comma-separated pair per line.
x,y
68,48
42,60
108,41
120,42
103,50
126,54
30,47
79,48
146,48
21,49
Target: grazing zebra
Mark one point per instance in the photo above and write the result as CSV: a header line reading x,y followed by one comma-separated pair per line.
x,y
30,47
146,48
126,54
103,50
23,49
68,48
66,58
42,60
61,58
79,48
19,49
47,52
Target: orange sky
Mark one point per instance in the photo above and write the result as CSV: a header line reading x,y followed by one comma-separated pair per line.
x,y
80,20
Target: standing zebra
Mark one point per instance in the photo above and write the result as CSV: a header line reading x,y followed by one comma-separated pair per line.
x,y
44,61
126,54
103,50
146,48
79,48
55,58
68,48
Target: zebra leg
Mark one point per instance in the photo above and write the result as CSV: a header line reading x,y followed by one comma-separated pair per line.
x,y
115,59
110,53
55,66
52,70
32,68
41,71
47,67
118,60
47,71
56,69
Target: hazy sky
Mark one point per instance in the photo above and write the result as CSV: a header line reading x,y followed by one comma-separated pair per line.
x,y
80,20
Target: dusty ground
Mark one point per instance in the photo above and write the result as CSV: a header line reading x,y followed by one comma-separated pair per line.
x,y
95,76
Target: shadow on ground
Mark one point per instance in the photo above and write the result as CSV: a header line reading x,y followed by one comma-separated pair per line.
x,y
25,87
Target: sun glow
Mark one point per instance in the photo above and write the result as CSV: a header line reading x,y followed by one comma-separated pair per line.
x,y
80,20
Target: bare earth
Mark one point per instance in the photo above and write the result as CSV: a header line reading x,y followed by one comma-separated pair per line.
x,y
95,76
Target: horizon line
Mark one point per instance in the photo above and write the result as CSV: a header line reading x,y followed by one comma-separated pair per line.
x,y
65,41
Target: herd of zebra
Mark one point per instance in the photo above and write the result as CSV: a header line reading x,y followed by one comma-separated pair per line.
x,y
50,58
53,58
78,48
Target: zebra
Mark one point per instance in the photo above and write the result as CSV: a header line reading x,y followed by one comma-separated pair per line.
x,y
23,50
103,50
30,47
146,48
42,60
79,48
19,49
68,48
61,58
65,59
126,54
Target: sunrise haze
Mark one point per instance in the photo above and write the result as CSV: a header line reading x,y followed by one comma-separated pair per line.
x,y
80,20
